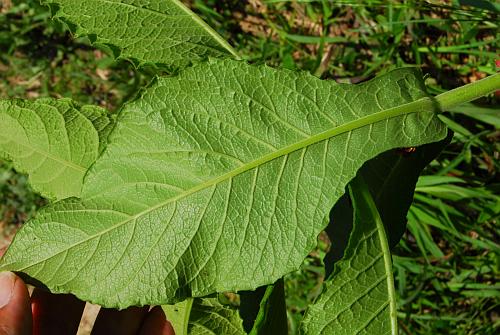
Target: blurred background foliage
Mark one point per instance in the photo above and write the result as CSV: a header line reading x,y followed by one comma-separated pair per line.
x,y
447,264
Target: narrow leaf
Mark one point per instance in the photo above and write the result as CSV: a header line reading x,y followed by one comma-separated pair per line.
x,y
488,115
178,315
391,179
146,31
272,318
250,306
359,296
54,141
203,316
218,179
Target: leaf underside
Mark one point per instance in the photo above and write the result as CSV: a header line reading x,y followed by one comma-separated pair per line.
x,y
204,316
391,179
54,141
358,298
218,179
144,31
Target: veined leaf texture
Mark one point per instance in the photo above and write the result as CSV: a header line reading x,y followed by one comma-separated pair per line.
x,y
203,316
359,296
218,179
54,141
145,31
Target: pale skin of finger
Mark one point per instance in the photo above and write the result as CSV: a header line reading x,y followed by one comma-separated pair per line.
x,y
15,310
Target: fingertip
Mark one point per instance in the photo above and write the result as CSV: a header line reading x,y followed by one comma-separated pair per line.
x,y
55,313
15,309
124,322
156,323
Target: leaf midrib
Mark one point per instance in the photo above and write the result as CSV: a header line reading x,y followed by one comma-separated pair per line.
x,y
420,105
207,28
388,270
221,41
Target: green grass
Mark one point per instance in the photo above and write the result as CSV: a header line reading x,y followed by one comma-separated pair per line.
x,y
40,58
17,202
446,266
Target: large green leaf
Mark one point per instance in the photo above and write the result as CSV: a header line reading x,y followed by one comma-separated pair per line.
x,y
205,316
145,31
359,296
54,141
218,179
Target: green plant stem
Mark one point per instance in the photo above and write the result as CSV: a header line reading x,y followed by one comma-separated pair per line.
x,y
469,92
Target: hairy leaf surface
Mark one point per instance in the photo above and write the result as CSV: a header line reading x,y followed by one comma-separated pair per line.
x,y
218,179
204,317
359,296
146,31
54,141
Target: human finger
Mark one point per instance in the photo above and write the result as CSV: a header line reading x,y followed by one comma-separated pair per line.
x,y
156,323
112,321
55,313
15,311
